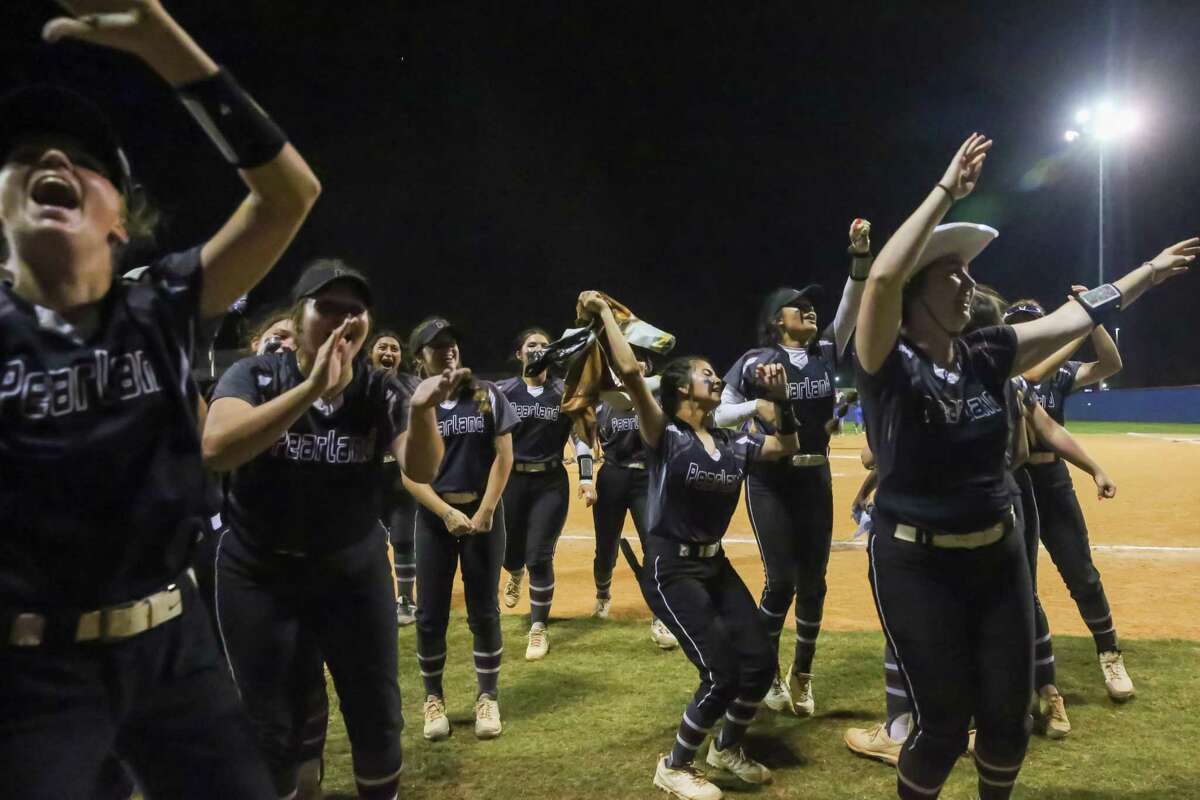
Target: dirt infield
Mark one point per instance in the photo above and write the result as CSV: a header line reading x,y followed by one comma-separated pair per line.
x,y
1147,537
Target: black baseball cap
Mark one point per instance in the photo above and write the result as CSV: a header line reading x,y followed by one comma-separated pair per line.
x,y
427,331
782,298
45,108
326,271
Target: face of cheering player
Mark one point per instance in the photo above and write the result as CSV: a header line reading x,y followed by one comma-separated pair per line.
x,y
797,322
385,353
281,330
945,292
440,354
325,312
533,344
56,203
704,388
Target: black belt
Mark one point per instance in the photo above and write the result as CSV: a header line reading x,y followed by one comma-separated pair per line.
x,y
691,550
537,466
630,465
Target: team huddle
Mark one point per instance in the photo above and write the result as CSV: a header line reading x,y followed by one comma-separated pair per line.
x,y
182,564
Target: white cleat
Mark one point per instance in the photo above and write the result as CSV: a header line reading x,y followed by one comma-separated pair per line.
x,y
603,607
487,717
685,782
1116,679
800,688
512,589
734,760
539,642
437,724
662,636
777,698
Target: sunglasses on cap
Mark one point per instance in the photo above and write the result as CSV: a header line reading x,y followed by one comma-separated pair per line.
x,y
1023,308
328,307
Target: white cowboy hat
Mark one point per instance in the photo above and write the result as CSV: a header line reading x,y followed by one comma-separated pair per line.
x,y
964,240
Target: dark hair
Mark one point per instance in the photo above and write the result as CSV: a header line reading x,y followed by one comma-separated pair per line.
x,y
525,334
387,333
645,356
676,375
987,309
768,319
263,322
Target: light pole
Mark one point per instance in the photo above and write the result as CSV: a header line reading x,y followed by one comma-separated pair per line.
x,y
1098,128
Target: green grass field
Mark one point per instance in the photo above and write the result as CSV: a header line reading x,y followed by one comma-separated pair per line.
x,y
1133,427
589,721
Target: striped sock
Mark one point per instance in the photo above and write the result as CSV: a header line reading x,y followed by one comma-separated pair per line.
x,y
541,592
406,574
807,631
688,739
995,781
385,788
431,658
738,717
773,608
1043,649
603,583
898,702
1098,617
489,647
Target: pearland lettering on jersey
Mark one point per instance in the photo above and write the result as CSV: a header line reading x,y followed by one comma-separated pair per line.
x,y
708,481
458,425
329,448
620,424
106,378
809,389
978,407
537,412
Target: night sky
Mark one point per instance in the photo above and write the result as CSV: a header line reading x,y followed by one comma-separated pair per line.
x,y
489,161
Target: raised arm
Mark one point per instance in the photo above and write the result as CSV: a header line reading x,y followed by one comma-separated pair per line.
x,y
860,266
1044,369
236,431
879,317
282,187
650,414
1108,360
1039,338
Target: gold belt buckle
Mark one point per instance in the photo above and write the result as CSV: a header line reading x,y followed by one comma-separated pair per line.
x,y
27,630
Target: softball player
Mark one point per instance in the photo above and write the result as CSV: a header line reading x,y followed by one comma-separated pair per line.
x,y
399,507
303,433
951,582
1028,423
536,497
1063,528
110,650
696,474
790,502
460,521
621,486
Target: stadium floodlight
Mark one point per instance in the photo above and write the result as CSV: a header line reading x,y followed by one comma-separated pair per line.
x,y
1102,123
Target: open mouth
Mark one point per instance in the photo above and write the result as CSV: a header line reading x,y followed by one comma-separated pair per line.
x,y
55,191
387,361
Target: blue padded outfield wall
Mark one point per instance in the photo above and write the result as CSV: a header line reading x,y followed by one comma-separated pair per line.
x,y
1169,404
